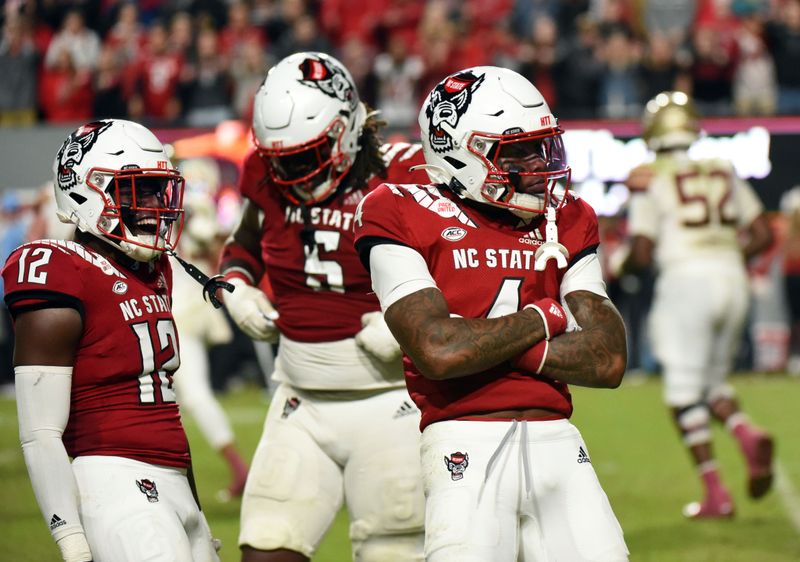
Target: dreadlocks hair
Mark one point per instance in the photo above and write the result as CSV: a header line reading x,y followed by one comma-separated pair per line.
x,y
369,160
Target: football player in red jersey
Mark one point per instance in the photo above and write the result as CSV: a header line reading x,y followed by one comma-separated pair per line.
x,y
341,427
490,281
96,347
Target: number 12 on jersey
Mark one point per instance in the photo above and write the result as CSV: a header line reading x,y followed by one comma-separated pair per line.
x,y
167,341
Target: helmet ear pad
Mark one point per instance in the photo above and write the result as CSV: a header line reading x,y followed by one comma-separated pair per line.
x,y
473,112
308,105
114,170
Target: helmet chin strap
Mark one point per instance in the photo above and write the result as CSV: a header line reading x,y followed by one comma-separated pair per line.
x,y
210,284
551,249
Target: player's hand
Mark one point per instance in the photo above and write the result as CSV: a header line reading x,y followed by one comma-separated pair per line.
x,y
251,310
553,316
75,548
375,337
640,177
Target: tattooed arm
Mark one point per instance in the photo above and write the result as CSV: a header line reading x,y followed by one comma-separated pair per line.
x,y
597,354
443,347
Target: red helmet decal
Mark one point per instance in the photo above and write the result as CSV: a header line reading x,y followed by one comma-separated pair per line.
x,y
313,70
329,79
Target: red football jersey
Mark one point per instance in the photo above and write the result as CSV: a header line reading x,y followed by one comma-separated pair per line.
x,y
159,77
320,289
122,402
483,264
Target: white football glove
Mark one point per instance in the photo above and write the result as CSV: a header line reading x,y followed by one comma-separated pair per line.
x,y
375,337
251,310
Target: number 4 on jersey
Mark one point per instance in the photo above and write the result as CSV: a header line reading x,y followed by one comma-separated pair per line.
x,y
506,301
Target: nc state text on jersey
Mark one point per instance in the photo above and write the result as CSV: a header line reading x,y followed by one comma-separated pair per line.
x,y
504,258
149,304
321,216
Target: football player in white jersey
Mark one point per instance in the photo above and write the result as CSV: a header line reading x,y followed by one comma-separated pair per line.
x,y
698,223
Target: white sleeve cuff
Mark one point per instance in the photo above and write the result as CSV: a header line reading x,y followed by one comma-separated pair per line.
x,y
586,275
397,271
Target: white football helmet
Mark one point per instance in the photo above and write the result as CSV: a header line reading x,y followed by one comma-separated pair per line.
x,y
489,135
113,179
307,120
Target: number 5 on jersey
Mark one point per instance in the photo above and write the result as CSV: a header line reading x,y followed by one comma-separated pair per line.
x,y
324,274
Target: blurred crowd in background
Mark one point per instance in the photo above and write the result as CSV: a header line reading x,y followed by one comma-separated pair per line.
x,y
197,62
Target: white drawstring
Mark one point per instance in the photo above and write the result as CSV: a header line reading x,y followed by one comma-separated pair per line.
x,y
526,469
523,451
499,448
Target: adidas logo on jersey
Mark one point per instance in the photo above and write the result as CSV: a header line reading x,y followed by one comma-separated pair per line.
x,y
532,238
582,456
405,409
56,521
555,311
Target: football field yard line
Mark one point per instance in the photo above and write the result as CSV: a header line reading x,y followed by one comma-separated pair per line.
x,y
788,495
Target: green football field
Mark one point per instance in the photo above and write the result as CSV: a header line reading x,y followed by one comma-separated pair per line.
x,y
634,449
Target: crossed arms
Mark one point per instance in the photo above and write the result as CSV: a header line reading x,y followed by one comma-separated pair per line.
x,y
443,347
